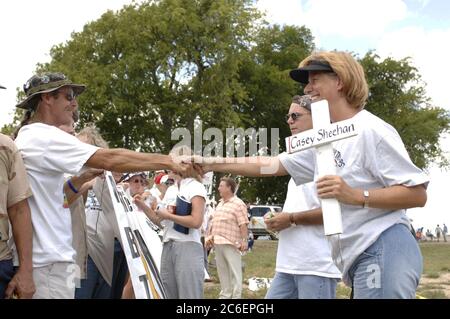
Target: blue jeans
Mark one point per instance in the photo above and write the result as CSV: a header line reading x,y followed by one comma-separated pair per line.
x,y
289,286
6,274
94,286
390,268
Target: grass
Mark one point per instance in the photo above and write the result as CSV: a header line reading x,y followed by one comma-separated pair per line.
x,y
436,258
261,263
258,263
432,294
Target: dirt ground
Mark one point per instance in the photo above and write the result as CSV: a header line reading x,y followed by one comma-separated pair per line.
x,y
441,283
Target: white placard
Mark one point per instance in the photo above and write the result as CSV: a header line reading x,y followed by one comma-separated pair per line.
x,y
321,136
141,244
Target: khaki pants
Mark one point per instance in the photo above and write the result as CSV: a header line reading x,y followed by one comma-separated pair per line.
x,y
55,281
229,270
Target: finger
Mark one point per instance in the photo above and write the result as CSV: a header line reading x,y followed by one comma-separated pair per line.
x,y
327,182
10,290
325,178
328,191
324,188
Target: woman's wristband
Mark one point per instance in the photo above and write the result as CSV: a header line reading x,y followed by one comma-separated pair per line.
x,y
69,182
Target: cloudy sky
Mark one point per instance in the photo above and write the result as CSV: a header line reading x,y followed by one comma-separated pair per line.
x,y
419,29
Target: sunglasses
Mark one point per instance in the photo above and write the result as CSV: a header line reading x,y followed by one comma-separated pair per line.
x,y
70,96
136,181
295,116
169,182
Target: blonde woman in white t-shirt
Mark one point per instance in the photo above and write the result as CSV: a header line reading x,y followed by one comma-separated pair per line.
x,y
376,182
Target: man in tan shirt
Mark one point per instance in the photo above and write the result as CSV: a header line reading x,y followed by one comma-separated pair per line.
x,y
228,233
14,191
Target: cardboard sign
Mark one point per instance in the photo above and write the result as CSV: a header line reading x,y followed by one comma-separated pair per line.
x,y
141,244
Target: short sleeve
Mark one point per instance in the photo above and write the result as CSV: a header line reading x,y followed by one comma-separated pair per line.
x,y
197,189
393,166
300,165
65,153
242,217
19,188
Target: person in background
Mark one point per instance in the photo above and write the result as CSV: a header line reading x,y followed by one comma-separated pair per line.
x,y
228,234
14,209
182,260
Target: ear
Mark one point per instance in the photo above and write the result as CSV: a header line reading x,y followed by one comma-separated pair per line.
x,y
339,83
45,97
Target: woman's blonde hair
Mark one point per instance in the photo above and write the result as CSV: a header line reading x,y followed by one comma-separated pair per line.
x,y
349,71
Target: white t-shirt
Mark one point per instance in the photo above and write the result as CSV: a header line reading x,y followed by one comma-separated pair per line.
x,y
375,158
303,249
156,194
48,153
188,189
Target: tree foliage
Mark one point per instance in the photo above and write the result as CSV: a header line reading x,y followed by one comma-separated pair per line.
x,y
158,65
398,96
155,66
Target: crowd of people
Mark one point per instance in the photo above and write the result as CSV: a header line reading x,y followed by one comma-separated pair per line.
x,y
429,235
51,195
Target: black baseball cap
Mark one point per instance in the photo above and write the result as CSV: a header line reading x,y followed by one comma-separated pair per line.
x,y
301,74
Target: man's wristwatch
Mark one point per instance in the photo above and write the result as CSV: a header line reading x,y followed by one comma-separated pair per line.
x,y
366,198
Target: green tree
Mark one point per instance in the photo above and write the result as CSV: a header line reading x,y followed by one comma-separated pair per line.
x,y
269,91
158,65
398,96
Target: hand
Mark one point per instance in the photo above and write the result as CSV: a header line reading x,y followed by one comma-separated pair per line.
x,y
139,200
200,164
333,186
22,285
163,213
244,245
278,222
209,242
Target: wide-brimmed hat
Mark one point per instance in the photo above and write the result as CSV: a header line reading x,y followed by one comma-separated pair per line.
x,y
302,73
46,83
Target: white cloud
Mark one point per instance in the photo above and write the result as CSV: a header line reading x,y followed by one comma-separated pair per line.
x,y
435,211
353,18
29,29
345,18
428,49
282,11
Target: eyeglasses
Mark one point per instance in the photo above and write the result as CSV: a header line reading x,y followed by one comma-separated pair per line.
x,y
295,116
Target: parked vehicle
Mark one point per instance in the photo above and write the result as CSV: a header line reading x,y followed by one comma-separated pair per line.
x,y
256,218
